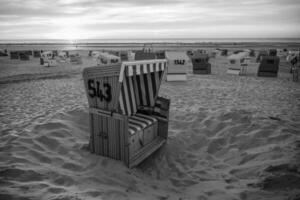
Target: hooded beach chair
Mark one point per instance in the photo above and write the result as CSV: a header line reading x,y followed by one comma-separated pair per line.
x,y
123,55
269,66
62,56
130,56
75,59
36,54
47,59
28,52
190,53
252,53
3,53
224,52
272,52
24,56
177,65
142,55
14,55
236,64
200,63
146,53
160,54
296,72
106,59
128,121
260,55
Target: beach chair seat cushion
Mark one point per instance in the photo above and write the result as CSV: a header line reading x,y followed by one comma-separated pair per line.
x,y
139,122
142,130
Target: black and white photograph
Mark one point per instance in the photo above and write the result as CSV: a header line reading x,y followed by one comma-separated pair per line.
x,y
149,100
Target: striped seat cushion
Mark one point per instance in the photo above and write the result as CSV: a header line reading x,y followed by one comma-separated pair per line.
x,y
140,121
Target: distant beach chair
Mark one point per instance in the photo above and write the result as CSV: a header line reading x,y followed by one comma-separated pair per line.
x,y
296,72
201,51
146,53
200,63
260,55
47,59
95,54
14,55
3,53
36,54
67,53
23,56
128,121
237,64
62,56
272,52
141,55
28,52
160,55
214,53
106,59
293,58
130,56
252,53
177,65
75,59
269,66
55,53
224,52
190,53
123,55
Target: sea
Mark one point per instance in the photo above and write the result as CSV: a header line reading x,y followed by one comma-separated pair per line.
x,y
149,40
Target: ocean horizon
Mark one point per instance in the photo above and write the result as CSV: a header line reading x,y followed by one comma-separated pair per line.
x,y
156,40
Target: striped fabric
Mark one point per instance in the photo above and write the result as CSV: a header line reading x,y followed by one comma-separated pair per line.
x,y
139,121
140,82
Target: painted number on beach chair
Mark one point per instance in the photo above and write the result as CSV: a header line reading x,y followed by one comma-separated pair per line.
x,y
96,91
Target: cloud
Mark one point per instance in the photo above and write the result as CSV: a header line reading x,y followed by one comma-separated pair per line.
x,y
86,19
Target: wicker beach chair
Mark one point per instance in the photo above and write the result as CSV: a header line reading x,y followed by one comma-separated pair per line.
x,y
177,65
269,66
128,121
201,64
14,55
237,63
106,59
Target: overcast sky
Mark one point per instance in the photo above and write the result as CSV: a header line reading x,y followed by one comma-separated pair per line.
x,y
128,19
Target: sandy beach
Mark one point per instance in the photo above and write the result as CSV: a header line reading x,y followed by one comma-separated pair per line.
x,y
230,137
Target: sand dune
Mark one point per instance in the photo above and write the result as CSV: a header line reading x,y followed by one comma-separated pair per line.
x,y
230,137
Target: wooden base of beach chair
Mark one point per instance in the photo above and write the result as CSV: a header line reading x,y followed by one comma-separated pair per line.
x,y
176,77
233,71
146,151
267,74
269,66
202,71
50,63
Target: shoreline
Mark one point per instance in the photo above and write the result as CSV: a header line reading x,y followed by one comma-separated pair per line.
x,y
156,46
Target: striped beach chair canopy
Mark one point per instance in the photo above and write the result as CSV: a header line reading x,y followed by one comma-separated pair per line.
x,y
140,82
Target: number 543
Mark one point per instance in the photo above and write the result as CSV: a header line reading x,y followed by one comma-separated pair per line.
x,y
95,90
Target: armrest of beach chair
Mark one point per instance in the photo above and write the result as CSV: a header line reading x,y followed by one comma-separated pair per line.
x,y
161,108
161,113
147,110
